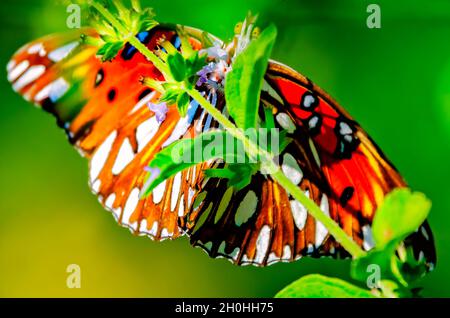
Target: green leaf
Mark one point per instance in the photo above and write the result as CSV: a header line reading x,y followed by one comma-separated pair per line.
x,y
239,175
401,213
110,50
186,47
318,286
171,95
177,66
186,153
194,64
183,104
385,261
244,82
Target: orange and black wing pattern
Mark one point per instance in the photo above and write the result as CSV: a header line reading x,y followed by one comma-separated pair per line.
x,y
331,159
102,106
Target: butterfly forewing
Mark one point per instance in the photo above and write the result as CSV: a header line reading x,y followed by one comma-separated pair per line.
x,y
103,108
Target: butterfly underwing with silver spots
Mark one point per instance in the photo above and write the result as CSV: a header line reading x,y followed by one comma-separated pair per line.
x,y
102,108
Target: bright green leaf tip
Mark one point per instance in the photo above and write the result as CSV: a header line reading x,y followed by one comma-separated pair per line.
x,y
401,213
318,286
244,82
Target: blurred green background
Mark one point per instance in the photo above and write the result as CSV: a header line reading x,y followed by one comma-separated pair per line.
x,y
395,81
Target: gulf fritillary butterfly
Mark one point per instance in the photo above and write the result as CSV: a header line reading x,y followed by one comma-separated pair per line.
x,y
102,108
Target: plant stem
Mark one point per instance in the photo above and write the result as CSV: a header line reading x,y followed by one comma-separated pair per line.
x,y
253,150
336,231
133,40
278,175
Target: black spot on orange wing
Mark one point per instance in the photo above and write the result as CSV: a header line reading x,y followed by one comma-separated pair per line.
x,y
112,93
346,195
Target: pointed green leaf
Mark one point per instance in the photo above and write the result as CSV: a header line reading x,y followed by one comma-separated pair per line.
x,y
186,153
177,66
401,213
244,82
318,286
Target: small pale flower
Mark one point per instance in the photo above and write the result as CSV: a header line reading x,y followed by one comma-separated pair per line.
x,y
204,73
160,111
216,51
213,74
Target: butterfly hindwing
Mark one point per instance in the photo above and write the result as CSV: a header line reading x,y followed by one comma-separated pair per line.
x,y
262,224
102,106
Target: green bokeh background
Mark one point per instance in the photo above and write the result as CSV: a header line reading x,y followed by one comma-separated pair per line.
x,y
395,81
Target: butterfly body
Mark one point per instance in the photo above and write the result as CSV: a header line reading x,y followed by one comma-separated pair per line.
x,y
103,108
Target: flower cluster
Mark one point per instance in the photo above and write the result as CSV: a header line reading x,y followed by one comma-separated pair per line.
x,y
213,74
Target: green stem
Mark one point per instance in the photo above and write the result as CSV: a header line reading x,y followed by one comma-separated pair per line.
x,y
133,40
253,150
336,231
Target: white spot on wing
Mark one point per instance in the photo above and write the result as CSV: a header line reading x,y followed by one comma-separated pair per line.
x,y
181,208
143,227
286,122
245,260
291,169
58,89
17,70
60,53
110,201
299,213
262,244
272,258
100,156
286,253
158,192
190,196
130,206
165,233
146,131
345,129
96,186
124,157
424,233
10,65
246,208
234,255
55,90
179,131
176,187
32,74
154,229
368,242
43,93
321,230
35,48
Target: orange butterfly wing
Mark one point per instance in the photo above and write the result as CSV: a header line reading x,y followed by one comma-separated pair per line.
x,y
103,109
332,160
